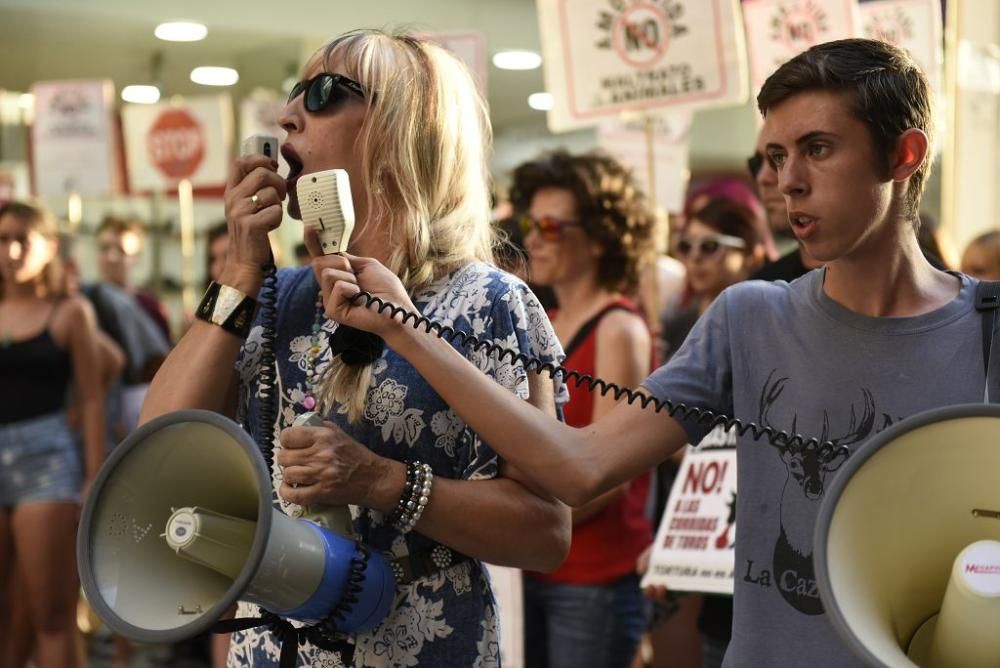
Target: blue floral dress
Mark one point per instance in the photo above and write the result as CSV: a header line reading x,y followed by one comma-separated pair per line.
x,y
448,618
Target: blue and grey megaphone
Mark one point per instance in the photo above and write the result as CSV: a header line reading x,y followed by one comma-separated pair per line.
x,y
179,525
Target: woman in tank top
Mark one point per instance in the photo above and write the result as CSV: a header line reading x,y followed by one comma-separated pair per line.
x,y
587,230
47,342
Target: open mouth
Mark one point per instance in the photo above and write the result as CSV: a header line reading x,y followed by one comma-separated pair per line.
x,y
803,225
294,172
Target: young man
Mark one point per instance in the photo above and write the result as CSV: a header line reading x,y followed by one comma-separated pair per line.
x,y
838,355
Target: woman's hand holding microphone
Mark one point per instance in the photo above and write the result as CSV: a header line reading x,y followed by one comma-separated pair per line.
x,y
342,277
253,208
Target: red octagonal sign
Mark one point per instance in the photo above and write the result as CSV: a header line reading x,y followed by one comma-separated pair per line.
x,y
176,143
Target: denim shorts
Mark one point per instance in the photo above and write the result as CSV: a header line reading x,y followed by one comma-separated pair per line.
x,y
39,461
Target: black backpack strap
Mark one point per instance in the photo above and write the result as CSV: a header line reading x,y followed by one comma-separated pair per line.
x,y
987,303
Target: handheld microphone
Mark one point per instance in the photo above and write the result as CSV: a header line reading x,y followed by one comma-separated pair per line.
x,y
260,144
325,205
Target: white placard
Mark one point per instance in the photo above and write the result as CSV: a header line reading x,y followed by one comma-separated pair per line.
x,y
778,30
914,25
608,57
694,544
190,139
469,47
73,138
628,142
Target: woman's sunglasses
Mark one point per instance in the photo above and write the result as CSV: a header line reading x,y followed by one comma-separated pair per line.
x,y
549,228
707,246
325,89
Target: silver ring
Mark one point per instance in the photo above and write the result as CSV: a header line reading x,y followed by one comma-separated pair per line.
x,y
256,202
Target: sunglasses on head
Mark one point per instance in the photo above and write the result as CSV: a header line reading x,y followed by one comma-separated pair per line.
x,y
707,246
549,228
325,89
755,163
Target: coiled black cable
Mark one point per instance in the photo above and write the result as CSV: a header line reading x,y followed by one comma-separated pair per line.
x,y
267,376
825,450
324,633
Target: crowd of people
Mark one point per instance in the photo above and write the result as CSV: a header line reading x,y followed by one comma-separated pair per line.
x,y
787,272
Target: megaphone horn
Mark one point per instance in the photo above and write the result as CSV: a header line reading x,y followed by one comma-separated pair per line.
x,y
179,525
908,542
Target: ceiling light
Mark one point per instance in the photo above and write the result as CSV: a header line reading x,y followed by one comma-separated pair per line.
x,y
517,60
141,94
540,101
215,76
181,31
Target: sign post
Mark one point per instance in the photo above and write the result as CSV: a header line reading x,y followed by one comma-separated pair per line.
x,y
655,147
179,145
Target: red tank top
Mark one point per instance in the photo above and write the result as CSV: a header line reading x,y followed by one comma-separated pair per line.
x,y
606,546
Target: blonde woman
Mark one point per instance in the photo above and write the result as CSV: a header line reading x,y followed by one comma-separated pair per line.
x,y
48,343
403,117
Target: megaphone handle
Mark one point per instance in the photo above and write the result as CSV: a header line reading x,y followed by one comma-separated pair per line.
x,y
335,518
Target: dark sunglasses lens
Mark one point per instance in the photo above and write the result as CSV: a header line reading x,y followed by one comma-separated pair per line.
x,y
318,93
709,247
526,224
296,90
684,247
754,164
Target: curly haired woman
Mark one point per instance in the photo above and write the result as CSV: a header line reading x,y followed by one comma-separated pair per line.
x,y
588,232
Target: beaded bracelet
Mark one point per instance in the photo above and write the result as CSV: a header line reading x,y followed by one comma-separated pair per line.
x,y
416,493
412,470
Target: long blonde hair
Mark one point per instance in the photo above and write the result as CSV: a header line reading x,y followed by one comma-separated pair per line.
x,y
423,145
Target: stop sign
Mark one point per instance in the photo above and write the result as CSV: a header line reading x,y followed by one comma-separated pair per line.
x,y
176,143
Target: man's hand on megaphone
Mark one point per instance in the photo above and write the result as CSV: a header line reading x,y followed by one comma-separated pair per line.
x,y
323,465
341,277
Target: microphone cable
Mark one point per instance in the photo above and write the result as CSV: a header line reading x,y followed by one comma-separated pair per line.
x,y
679,410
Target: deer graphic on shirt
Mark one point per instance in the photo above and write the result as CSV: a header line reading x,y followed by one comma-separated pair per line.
x,y
803,490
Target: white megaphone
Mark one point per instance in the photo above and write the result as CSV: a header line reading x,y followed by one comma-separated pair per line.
x,y
908,543
179,525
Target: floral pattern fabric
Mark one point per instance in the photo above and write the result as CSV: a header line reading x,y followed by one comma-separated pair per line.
x,y
450,617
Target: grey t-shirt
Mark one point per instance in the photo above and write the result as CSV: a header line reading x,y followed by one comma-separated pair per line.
x,y
786,355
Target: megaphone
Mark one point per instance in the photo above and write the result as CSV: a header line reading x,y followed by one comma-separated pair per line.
x,y
908,542
179,525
